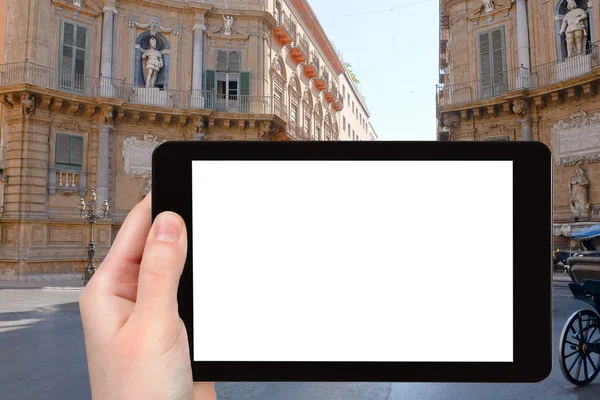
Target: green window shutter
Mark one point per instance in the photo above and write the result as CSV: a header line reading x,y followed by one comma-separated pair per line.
x,y
244,98
221,61
234,61
485,64
210,78
498,61
76,153
67,54
73,55
62,149
492,63
245,83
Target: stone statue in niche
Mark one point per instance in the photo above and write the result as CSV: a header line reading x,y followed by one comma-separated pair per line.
x,y
228,23
578,188
574,27
152,62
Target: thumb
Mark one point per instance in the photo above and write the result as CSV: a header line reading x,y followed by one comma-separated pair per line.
x,y
161,268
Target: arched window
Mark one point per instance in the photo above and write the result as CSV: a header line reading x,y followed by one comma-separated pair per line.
x,y
294,109
307,104
318,122
278,80
336,133
328,128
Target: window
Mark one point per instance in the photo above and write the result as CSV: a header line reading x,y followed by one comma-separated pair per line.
x,y
348,98
344,124
343,91
353,135
306,124
497,139
68,152
73,55
293,113
492,62
229,82
349,130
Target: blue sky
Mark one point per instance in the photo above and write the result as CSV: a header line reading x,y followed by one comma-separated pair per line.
x,y
394,55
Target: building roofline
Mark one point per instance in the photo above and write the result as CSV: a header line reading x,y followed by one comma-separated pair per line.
x,y
311,20
356,91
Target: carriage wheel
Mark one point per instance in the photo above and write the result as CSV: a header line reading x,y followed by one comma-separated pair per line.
x,y
579,347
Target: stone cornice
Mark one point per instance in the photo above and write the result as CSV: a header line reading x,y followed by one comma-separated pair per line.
x,y
187,7
89,8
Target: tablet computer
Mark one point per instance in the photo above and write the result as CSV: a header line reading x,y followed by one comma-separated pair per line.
x,y
363,261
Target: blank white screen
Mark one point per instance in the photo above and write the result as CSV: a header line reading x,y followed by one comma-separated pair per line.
x,y
353,261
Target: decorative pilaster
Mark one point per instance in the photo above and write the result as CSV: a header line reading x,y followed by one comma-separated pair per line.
x,y
523,45
198,64
106,88
107,41
102,171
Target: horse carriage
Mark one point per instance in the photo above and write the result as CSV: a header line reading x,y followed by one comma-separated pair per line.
x,y
579,343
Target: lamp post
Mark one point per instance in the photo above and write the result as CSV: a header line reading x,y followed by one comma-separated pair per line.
x,y
88,212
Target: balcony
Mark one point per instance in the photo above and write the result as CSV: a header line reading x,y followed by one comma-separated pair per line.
x,y
67,181
311,70
299,49
331,93
321,80
284,31
504,82
25,73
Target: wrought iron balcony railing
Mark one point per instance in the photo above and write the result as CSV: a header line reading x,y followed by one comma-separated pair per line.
x,y
521,78
50,78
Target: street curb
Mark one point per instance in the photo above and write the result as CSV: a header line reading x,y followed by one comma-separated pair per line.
x,y
61,288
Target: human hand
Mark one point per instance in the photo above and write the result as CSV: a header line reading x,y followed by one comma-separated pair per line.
x,y
136,343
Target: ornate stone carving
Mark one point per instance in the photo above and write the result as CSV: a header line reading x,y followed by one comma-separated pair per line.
x,y
65,235
451,122
154,26
137,155
574,27
488,5
576,140
147,189
520,107
107,115
28,103
578,188
227,24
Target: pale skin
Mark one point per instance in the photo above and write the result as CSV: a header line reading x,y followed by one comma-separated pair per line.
x,y
136,343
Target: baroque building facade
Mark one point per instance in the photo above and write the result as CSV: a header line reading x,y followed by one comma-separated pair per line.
x,y
355,117
90,87
528,70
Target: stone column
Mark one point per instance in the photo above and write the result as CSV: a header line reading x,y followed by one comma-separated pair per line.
x,y
522,45
107,51
102,167
591,21
526,135
521,108
198,65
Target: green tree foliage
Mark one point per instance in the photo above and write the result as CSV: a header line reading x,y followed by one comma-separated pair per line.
x,y
351,73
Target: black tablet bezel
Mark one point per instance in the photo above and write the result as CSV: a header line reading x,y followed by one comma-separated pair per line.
x,y
532,218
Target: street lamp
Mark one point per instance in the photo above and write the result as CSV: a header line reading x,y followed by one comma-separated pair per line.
x,y
88,212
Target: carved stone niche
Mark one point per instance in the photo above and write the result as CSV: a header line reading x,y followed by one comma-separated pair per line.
x,y
577,139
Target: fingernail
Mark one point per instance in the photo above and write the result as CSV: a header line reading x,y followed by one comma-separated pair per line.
x,y
167,228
